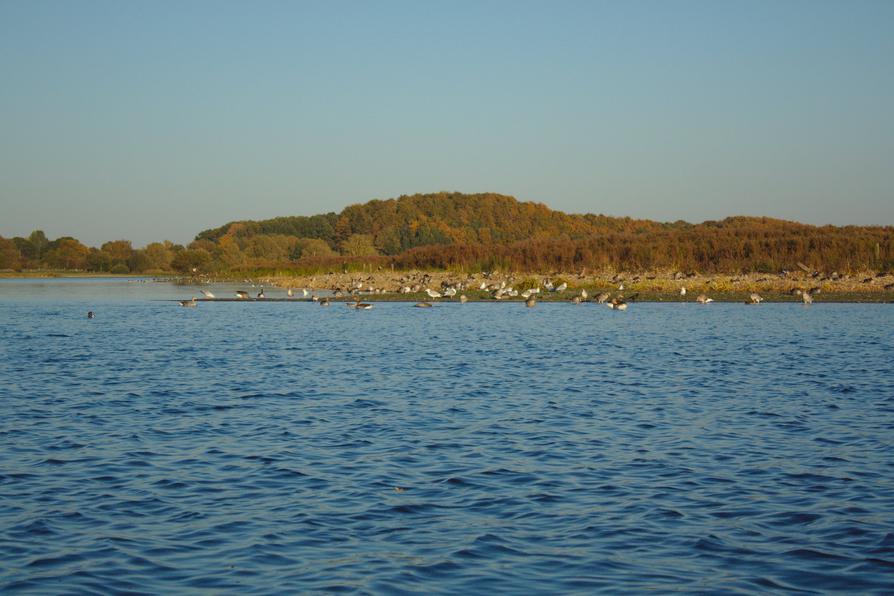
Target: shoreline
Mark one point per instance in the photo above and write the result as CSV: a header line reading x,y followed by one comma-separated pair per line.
x,y
662,286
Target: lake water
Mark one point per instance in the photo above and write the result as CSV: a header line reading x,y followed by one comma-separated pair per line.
x,y
256,447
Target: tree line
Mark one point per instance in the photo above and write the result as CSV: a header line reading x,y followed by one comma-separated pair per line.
x,y
472,232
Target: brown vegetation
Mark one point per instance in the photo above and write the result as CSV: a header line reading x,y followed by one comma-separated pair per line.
x,y
453,231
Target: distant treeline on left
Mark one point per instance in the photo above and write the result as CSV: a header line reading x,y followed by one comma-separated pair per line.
x,y
67,253
37,252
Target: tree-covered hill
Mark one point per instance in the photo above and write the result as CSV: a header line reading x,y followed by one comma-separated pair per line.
x,y
475,231
395,225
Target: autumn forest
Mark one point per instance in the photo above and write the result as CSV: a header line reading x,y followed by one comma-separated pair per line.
x,y
471,232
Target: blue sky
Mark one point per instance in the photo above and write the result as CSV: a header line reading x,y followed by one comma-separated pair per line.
x,y
155,120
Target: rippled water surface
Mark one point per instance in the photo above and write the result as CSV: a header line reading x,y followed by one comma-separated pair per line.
x,y
283,447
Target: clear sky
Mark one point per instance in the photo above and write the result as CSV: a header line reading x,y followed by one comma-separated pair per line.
x,y
156,120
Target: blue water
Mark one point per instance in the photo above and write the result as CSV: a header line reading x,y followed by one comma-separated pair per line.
x,y
256,448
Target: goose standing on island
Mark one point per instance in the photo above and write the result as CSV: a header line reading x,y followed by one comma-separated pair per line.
x,y
207,294
242,295
755,298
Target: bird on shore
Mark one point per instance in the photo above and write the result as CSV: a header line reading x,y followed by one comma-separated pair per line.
x,y
683,291
755,298
575,300
261,295
561,287
583,294
432,293
702,299
602,297
289,293
189,303
463,299
807,297
242,295
207,294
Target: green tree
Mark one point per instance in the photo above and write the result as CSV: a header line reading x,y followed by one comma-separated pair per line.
x,y
313,247
67,253
39,244
10,257
119,253
359,245
191,260
159,256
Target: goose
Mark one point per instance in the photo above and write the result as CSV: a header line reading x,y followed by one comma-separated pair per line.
x,y
702,299
90,314
450,292
289,292
755,298
530,302
189,303
807,297
261,293
304,292
683,291
583,294
561,287
621,287
362,306
575,300
324,302
601,298
207,294
423,305
432,294
617,304
242,294
463,299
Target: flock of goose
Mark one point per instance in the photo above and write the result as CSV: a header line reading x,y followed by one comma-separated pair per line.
x,y
497,290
